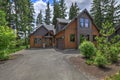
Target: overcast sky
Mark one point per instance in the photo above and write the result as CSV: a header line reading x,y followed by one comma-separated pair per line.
x,y
41,5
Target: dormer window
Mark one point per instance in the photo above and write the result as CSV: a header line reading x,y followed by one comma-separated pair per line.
x,y
84,22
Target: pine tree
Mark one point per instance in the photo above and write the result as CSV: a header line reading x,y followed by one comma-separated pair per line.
x,y
56,11
105,10
74,11
48,15
6,7
96,12
39,18
63,9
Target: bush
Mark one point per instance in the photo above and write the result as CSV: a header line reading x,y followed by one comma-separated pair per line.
x,y
7,39
87,49
4,55
100,60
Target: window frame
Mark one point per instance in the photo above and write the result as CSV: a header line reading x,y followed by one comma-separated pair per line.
x,y
82,21
37,40
87,21
72,37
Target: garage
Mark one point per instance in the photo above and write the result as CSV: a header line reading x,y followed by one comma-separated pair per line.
x,y
60,43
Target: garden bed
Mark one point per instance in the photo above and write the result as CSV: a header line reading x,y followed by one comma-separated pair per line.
x,y
92,70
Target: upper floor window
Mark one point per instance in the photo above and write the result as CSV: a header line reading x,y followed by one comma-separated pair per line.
x,y
84,22
81,22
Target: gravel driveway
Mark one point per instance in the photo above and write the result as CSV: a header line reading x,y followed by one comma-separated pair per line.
x,y
40,64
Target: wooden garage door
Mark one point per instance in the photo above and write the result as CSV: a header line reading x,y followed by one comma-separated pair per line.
x,y
60,43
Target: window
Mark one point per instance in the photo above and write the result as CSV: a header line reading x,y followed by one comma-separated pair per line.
x,y
37,41
94,36
81,22
84,22
87,23
82,38
72,38
87,37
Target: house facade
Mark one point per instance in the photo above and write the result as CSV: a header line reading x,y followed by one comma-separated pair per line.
x,y
66,34
42,37
69,36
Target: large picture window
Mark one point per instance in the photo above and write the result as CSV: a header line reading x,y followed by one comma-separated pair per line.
x,y
84,22
72,38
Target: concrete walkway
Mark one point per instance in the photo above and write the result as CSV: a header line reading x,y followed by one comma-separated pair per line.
x,y
40,64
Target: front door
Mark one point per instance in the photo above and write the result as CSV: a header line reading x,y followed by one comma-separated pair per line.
x,y
48,42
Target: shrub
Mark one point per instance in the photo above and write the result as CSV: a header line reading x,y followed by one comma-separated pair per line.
x,y
7,38
4,55
100,60
87,49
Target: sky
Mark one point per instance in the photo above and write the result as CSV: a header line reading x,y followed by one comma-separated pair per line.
x,y
41,5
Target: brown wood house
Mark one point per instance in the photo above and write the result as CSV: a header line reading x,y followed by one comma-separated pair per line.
x,y
42,37
68,36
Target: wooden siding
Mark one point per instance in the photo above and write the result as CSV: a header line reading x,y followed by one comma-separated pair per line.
x,y
32,45
71,29
94,30
60,35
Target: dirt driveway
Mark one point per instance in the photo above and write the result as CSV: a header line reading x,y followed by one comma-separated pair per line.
x,y
40,64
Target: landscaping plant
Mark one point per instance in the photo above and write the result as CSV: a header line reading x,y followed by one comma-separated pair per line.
x,y
107,46
88,49
7,41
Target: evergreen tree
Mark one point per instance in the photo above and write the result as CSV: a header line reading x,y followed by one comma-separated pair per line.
x,y
105,10
47,15
63,9
56,11
74,11
39,18
96,12
6,7
2,18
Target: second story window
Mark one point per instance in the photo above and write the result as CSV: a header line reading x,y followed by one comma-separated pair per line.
x,y
81,22
84,22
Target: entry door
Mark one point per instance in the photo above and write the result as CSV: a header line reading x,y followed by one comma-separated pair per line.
x,y
48,42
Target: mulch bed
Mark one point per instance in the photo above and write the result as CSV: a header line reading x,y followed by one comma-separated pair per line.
x,y
93,70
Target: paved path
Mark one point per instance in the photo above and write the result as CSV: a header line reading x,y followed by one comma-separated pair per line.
x,y
40,64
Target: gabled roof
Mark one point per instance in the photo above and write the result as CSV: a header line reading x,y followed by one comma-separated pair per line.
x,y
63,20
49,28
84,11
